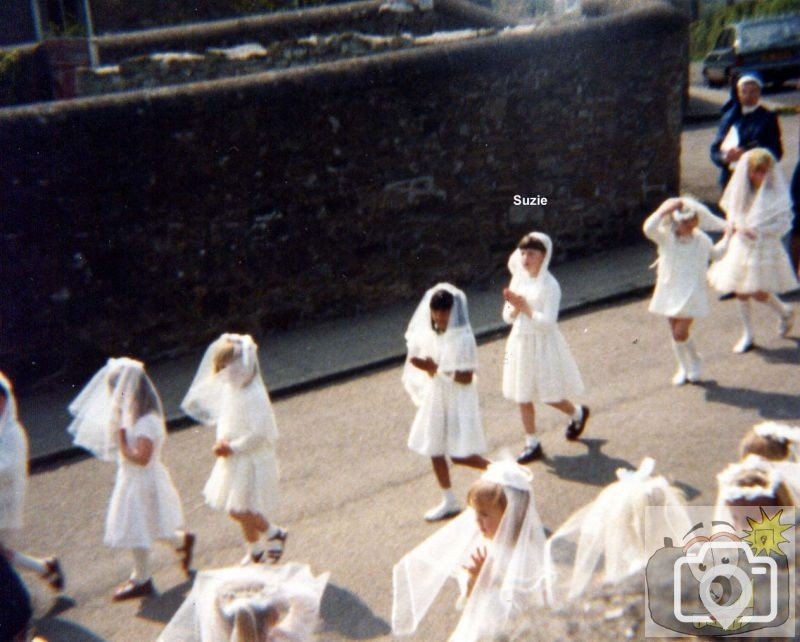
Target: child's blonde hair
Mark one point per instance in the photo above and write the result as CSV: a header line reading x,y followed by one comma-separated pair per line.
x,y
224,356
760,158
766,447
484,493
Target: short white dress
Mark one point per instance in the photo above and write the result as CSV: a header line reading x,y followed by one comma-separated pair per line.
x,y
538,363
680,290
13,467
448,421
759,264
246,480
144,505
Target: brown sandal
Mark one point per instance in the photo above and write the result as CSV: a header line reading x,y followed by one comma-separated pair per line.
x,y
53,574
186,551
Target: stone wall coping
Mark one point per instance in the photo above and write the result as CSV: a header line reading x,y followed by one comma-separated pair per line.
x,y
646,18
313,18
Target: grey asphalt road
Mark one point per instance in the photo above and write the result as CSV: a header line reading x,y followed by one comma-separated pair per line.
x,y
353,495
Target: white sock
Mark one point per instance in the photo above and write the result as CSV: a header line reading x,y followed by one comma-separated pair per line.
x,y
743,305
578,414
31,563
449,496
179,539
531,441
141,566
779,306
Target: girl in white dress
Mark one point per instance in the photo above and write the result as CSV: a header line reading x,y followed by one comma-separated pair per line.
x,y
249,604
229,393
684,252
758,207
538,364
494,550
439,377
13,480
118,415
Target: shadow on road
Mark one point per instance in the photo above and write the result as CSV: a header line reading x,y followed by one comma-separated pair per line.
x,y
162,607
593,467
64,631
781,355
345,613
770,405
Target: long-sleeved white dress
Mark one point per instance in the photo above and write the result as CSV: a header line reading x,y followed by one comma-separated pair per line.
x,y
681,290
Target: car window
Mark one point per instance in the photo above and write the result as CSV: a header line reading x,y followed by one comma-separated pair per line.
x,y
769,34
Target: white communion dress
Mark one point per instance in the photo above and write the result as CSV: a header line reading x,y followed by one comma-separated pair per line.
x,y
681,289
13,462
236,401
761,263
144,505
448,419
538,363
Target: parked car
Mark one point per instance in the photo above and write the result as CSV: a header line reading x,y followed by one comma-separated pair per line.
x,y
770,46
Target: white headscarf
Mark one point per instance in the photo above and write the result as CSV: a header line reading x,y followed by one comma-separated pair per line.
x,y
769,206
232,605
521,278
611,528
457,350
211,392
509,583
110,402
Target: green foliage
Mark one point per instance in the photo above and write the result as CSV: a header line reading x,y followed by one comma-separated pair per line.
x,y
704,32
10,74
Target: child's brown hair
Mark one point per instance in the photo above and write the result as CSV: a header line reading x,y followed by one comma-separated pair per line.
x,y
766,447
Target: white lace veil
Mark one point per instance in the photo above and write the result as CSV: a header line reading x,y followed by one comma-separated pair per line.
x,y
771,204
13,462
209,389
611,529
249,604
458,351
118,394
509,583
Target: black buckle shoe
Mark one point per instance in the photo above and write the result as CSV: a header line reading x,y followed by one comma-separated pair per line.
x,y
531,453
575,428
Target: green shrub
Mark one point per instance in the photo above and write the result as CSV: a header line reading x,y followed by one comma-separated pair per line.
x,y
704,32
10,74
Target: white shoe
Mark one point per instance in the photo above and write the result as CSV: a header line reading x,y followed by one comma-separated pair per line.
x,y
786,322
679,378
442,511
745,344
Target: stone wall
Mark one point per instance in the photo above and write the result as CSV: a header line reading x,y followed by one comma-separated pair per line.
x,y
147,222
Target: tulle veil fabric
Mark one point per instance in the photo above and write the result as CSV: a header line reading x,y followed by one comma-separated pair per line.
x,y
611,529
13,461
458,350
107,403
510,581
770,207
209,390
218,595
